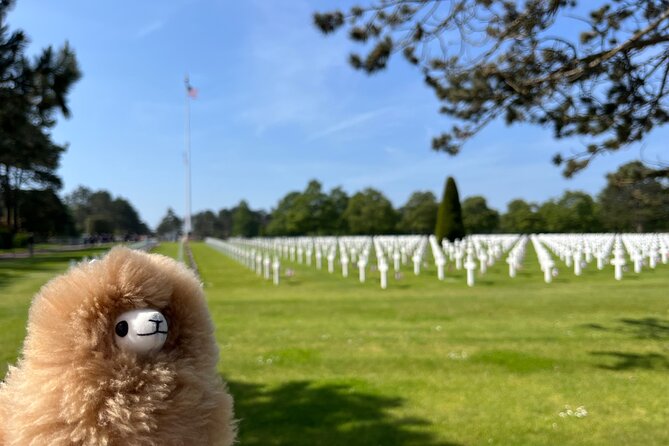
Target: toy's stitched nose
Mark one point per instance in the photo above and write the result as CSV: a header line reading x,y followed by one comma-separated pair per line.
x,y
156,319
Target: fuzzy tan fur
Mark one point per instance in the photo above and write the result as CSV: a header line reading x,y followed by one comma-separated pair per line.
x,y
74,386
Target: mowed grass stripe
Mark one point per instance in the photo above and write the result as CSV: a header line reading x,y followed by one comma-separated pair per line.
x,y
169,249
493,364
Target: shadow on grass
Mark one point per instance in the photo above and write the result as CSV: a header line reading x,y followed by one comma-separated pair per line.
x,y
301,413
633,361
646,328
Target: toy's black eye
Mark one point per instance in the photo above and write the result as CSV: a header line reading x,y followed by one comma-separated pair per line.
x,y
122,328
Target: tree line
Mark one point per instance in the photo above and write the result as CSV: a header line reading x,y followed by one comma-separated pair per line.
x,y
98,214
631,201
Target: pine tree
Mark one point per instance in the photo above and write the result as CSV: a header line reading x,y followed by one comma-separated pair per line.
x,y
33,92
449,215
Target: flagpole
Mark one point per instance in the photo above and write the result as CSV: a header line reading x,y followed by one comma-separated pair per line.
x,y
187,222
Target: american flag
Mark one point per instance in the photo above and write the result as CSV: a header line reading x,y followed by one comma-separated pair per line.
x,y
190,90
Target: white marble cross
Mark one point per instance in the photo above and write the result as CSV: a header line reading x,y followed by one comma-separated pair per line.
x,y
652,257
440,261
470,266
416,264
618,260
331,257
344,265
276,268
547,267
588,253
259,265
458,254
396,261
266,265
600,260
383,269
637,258
362,264
577,262
483,260
568,257
512,265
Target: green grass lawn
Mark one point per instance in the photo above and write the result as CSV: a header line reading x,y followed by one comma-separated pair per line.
x,y
20,279
322,360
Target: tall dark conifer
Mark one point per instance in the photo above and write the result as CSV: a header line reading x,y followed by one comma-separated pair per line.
x,y
449,215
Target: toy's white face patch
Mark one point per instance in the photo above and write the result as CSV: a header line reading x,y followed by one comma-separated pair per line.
x,y
141,331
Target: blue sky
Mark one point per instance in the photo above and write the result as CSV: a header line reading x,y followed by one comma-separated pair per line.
x,y
278,105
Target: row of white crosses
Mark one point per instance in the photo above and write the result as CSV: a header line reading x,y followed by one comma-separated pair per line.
x,y
402,250
352,251
473,253
516,255
545,259
487,249
381,263
357,250
254,256
389,250
458,251
438,257
303,249
650,247
578,250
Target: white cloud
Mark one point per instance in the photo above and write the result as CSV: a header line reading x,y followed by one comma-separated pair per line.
x,y
348,123
150,28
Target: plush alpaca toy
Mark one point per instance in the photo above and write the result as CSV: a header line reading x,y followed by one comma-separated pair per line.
x,y
120,351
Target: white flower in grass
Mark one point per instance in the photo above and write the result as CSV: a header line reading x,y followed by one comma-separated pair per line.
x,y
266,361
457,355
579,412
